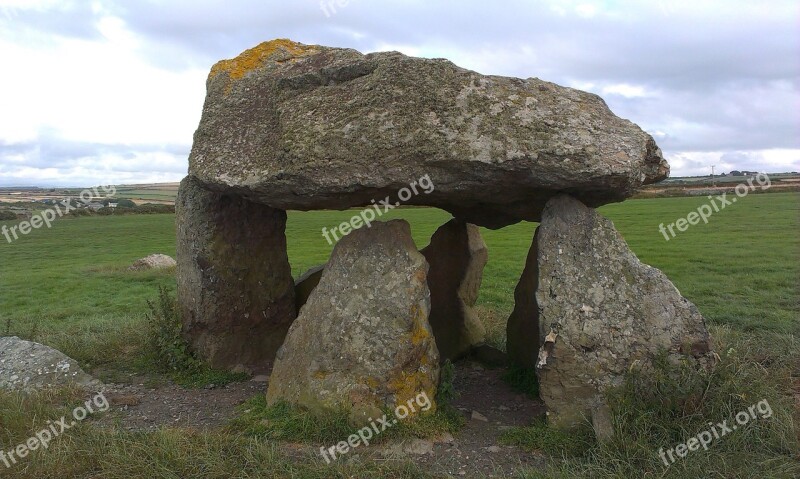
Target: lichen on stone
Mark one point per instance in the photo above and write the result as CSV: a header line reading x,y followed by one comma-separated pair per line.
x,y
258,56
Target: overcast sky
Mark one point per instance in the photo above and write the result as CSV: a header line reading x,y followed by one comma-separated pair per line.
x,y
110,91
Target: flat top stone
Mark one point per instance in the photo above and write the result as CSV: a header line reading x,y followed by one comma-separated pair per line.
x,y
308,127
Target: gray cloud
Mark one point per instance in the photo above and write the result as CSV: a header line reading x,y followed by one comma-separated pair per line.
x,y
55,158
68,19
717,77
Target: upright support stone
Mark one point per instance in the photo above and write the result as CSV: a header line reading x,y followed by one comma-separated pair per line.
x,y
305,284
362,342
522,329
235,288
602,312
457,256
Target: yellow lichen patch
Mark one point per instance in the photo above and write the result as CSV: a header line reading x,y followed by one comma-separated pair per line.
x,y
406,385
419,332
372,383
257,56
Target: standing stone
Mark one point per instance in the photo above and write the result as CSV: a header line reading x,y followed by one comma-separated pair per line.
x,y
235,287
362,342
457,256
305,284
602,311
522,329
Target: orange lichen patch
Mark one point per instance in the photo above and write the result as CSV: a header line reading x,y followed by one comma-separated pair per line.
x,y
407,385
419,332
257,56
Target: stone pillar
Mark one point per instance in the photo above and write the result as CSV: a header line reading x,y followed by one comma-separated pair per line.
x,y
457,256
602,312
235,287
522,329
305,285
362,342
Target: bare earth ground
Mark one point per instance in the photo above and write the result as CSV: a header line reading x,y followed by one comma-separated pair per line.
x,y
489,405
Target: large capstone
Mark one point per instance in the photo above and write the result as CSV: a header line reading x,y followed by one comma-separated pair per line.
x,y
457,256
362,342
602,312
302,127
235,288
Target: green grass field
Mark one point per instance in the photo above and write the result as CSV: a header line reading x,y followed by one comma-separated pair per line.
x,y
68,287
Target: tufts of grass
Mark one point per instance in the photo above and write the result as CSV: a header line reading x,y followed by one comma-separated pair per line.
x,y
552,441
670,405
164,328
495,324
23,414
170,351
286,422
445,419
91,452
446,392
283,421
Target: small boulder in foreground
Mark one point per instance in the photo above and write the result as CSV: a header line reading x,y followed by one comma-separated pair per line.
x,y
25,365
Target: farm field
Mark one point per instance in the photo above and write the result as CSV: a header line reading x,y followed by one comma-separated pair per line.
x,y
68,287
162,193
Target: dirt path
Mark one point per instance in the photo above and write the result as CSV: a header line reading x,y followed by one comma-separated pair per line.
x,y
476,449
489,405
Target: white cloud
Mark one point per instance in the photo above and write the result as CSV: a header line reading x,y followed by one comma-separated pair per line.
x,y
697,163
98,91
623,89
586,10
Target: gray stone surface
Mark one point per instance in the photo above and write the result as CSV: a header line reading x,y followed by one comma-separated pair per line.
x,y
235,287
306,127
362,342
25,365
602,312
457,256
306,283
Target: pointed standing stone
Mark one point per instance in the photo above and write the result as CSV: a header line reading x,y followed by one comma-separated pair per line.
x,y
457,256
522,329
362,342
602,312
